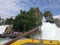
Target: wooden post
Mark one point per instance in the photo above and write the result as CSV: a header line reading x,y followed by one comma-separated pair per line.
x,y
21,36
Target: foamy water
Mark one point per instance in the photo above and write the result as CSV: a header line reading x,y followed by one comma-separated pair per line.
x,y
49,32
4,40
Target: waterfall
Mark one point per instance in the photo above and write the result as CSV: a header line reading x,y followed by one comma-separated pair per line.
x,y
49,32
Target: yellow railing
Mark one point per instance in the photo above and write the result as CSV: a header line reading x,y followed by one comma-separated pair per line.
x,y
46,42
20,42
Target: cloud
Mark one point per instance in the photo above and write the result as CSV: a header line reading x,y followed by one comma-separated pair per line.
x,y
13,7
4,16
9,7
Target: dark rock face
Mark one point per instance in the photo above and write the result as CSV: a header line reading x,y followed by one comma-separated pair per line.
x,y
57,22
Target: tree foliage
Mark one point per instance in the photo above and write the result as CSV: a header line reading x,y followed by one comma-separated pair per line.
x,y
48,16
25,21
9,21
38,14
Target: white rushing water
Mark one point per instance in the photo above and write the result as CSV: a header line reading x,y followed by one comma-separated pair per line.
x,y
3,28
49,32
2,31
4,40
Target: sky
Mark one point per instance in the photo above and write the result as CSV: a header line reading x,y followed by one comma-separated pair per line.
x,y
9,8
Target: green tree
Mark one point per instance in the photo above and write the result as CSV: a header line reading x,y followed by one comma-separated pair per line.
x,y
25,20
9,21
48,16
38,14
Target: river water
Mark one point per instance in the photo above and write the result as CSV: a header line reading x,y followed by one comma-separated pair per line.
x,y
49,32
4,40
